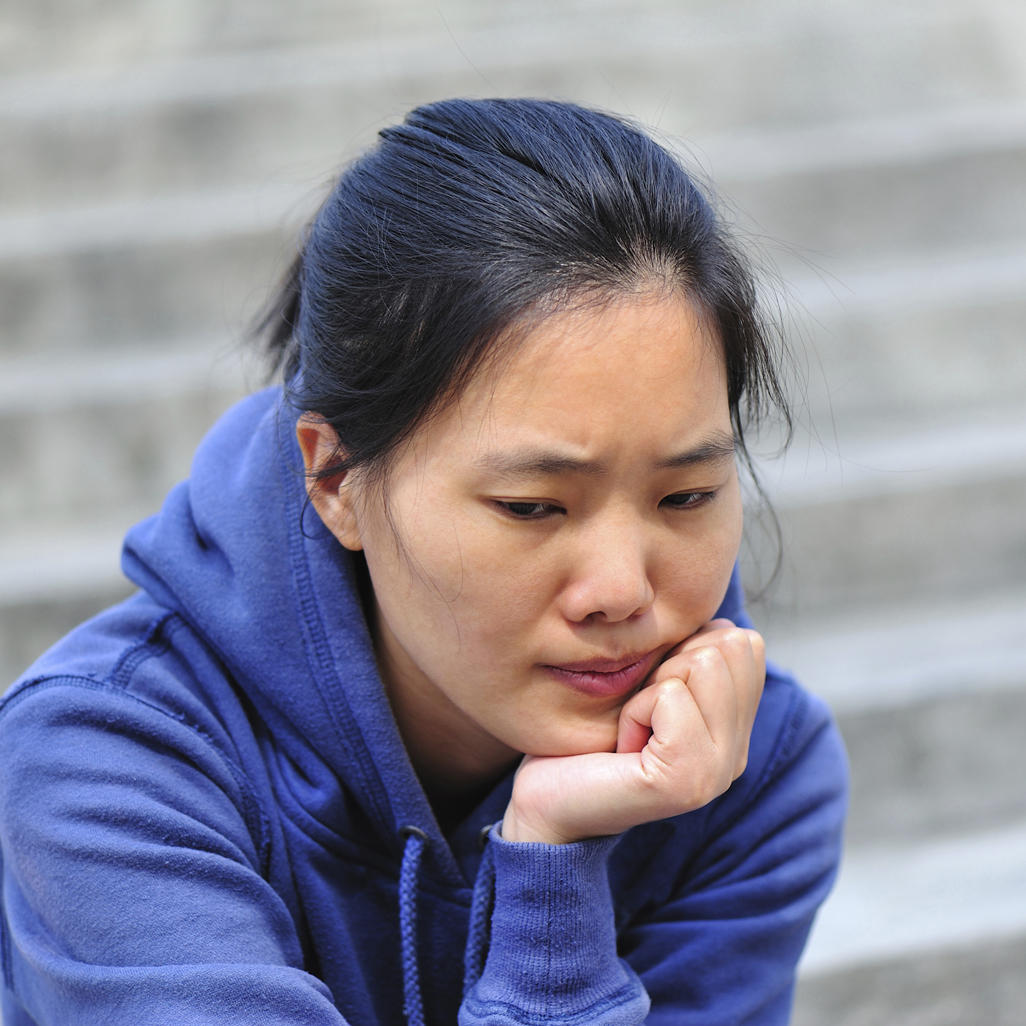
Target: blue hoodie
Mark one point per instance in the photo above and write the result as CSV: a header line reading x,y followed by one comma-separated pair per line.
x,y
207,815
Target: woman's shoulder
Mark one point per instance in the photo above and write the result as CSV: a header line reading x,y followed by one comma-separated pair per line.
x,y
133,703
136,672
793,725
107,653
796,762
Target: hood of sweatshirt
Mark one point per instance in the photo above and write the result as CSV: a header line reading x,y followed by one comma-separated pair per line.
x,y
241,555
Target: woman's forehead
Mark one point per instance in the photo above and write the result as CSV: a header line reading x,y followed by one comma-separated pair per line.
x,y
585,375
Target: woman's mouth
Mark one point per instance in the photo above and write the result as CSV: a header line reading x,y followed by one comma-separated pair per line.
x,y
605,677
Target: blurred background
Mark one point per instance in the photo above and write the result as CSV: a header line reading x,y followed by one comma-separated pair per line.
x,y
157,163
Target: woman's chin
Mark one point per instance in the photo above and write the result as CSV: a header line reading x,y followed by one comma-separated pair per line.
x,y
583,740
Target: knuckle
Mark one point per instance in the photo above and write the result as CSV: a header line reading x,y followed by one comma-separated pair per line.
x,y
669,687
708,657
758,644
740,640
735,636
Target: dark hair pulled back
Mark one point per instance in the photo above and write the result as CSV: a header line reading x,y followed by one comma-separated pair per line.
x,y
472,215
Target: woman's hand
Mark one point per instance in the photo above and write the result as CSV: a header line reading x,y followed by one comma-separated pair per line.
x,y
681,742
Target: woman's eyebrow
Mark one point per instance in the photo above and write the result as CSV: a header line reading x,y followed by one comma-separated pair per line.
x,y
718,447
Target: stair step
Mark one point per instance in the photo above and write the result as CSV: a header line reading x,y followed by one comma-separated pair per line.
x,y
779,174
923,510
52,578
862,549
911,335
48,560
151,369
132,282
895,656
916,688
128,429
895,457
145,222
922,896
961,50
976,982
943,765
897,198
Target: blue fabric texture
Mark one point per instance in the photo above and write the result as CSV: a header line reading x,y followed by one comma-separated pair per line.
x,y
207,815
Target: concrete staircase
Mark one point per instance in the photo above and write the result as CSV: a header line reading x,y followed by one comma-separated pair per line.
x,y
158,160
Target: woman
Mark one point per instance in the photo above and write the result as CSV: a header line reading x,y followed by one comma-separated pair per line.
x,y
438,698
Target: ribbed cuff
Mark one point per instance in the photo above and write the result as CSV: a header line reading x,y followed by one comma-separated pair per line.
x,y
552,957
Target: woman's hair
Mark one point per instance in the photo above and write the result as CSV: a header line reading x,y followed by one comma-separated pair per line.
x,y
470,219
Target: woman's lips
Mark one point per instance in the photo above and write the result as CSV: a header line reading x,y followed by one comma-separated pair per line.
x,y
605,677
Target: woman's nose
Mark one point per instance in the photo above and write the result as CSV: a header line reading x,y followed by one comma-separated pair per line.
x,y
610,579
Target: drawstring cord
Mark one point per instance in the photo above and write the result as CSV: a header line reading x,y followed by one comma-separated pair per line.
x,y
413,850
414,843
480,916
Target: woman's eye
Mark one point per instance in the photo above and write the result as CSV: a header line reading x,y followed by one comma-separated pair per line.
x,y
688,500
529,510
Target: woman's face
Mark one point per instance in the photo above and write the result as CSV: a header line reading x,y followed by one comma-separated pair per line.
x,y
550,536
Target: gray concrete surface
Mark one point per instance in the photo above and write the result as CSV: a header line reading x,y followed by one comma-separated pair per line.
x,y
159,158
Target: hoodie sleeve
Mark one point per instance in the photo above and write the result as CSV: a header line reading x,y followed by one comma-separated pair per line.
x,y
711,909
132,890
552,957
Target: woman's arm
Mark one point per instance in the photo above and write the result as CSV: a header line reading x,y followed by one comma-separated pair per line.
x,y
132,885
552,956
712,907
717,942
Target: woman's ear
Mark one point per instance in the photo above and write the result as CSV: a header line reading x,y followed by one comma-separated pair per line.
x,y
333,496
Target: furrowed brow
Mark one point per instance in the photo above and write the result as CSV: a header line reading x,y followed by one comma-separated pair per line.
x,y
717,448
535,463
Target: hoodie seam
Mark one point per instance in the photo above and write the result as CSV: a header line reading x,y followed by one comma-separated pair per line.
x,y
250,810
5,940
319,653
319,656
155,641
482,1008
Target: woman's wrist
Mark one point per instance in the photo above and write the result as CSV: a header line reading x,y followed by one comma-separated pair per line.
x,y
519,831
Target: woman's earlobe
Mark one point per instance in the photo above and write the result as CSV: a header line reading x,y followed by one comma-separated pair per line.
x,y
345,525
332,495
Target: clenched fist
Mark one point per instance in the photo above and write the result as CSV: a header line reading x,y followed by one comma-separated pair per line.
x,y
681,742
